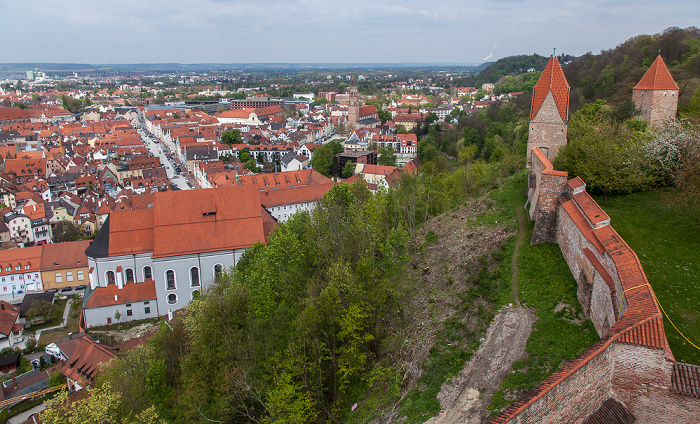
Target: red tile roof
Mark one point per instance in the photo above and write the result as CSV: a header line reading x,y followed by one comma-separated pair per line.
x,y
64,255
86,361
685,379
129,293
657,77
552,79
8,316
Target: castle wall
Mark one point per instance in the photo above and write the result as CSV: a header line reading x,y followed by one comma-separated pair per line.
x,y
656,106
632,361
546,186
641,380
547,131
571,399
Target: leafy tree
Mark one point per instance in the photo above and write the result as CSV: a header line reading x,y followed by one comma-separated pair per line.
x,y
348,170
335,147
400,129
252,165
31,343
102,406
386,156
318,101
244,155
431,117
232,136
20,105
40,309
117,315
384,115
322,159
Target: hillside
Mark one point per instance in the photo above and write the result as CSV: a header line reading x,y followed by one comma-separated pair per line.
x,y
507,66
611,74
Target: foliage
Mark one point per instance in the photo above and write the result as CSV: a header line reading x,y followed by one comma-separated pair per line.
x,y
67,231
608,155
40,309
384,115
386,156
348,170
675,145
322,159
612,74
232,136
20,105
30,344
102,406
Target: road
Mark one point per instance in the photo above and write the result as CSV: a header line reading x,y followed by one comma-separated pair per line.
x,y
169,164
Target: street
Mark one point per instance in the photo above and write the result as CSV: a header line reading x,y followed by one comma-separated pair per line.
x,y
169,164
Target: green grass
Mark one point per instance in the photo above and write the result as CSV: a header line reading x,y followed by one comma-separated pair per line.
x,y
666,238
56,317
544,280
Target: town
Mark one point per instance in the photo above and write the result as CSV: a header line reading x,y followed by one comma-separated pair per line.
x,y
258,245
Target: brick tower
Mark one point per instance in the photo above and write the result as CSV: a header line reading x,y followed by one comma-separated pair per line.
x,y
549,113
353,105
656,95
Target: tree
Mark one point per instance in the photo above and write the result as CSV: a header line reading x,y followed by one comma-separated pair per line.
x,y
20,105
232,136
386,156
244,155
400,129
117,315
348,170
40,309
102,406
322,159
431,117
384,115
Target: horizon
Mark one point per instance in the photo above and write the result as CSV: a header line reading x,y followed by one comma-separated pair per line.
x,y
311,32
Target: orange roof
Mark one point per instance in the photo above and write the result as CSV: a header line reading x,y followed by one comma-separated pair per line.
x,y
237,113
293,195
552,79
64,255
129,293
657,77
12,258
130,232
85,361
8,316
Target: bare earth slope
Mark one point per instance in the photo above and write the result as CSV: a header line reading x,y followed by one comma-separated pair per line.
x,y
464,399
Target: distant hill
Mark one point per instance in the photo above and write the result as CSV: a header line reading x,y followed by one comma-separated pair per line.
x,y
508,66
612,74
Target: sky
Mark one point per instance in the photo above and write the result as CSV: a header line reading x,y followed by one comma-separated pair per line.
x,y
324,31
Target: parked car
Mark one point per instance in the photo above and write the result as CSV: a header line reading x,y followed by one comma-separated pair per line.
x,y
51,291
80,287
67,289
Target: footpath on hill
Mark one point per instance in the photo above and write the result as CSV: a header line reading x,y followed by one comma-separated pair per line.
x,y
464,398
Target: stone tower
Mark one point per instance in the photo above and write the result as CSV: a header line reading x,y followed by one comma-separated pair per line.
x,y
656,95
549,113
353,105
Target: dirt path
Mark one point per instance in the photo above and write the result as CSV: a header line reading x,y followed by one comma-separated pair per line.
x,y
465,398
519,241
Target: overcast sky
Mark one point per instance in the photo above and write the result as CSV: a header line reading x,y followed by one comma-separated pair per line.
x,y
324,31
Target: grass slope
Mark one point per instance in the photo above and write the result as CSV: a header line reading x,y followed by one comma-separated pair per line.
x,y
666,238
545,283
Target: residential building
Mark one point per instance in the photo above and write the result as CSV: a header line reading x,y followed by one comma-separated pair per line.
x,y
64,265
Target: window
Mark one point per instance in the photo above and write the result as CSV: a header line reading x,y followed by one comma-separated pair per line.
x,y
14,287
17,268
59,277
194,276
170,279
172,298
26,267
81,275
110,277
147,310
4,288
217,270
8,269
146,303
128,305
69,276
147,273
129,312
109,320
129,275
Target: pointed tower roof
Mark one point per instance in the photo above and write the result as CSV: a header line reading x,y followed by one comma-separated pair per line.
x,y
657,77
552,79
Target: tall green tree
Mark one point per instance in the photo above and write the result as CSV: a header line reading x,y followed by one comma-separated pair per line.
x,y
322,159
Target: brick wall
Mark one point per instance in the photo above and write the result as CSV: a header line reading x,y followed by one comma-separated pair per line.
x,y
547,131
641,380
546,186
657,106
631,362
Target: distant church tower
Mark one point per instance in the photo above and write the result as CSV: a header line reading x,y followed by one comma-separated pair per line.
x,y
354,105
656,95
549,113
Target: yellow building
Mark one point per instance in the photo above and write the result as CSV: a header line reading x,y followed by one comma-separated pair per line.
x,y
64,264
